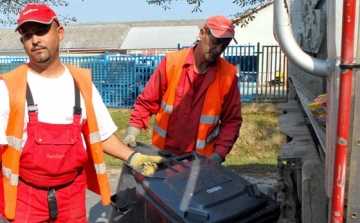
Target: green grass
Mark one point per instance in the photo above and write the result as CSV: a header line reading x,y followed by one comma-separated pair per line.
x,y
258,146
121,118
256,149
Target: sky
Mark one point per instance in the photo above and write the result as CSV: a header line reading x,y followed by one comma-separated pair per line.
x,y
139,10
91,11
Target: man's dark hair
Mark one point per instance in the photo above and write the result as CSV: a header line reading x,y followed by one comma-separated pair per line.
x,y
207,30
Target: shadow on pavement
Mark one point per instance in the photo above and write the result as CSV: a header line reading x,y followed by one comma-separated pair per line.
x,y
99,213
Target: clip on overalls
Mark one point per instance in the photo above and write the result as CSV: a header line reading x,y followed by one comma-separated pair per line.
x,y
43,139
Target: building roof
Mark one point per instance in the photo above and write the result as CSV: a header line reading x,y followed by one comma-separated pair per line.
x,y
159,37
111,36
10,40
162,23
94,36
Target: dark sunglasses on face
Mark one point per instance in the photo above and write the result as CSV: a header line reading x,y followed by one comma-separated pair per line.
x,y
40,30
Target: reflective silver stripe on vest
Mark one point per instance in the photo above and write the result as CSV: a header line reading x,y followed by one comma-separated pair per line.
x,y
95,137
14,142
100,168
200,144
167,108
159,130
209,119
13,178
214,134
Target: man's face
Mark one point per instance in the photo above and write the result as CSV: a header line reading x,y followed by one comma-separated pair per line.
x,y
213,47
41,41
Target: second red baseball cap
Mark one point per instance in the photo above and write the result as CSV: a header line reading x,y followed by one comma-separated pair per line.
x,y
220,27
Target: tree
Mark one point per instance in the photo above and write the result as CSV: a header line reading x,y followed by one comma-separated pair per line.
x,y
11,9
240,19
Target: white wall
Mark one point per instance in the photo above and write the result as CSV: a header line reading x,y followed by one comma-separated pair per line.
x,y
258,30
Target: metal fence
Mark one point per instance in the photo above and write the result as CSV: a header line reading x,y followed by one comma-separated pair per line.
x,y
262,74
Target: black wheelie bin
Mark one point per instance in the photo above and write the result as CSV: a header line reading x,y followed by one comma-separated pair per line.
x,y
127,206
195,189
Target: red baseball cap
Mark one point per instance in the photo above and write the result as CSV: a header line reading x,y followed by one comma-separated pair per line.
x,y
36,12
220,27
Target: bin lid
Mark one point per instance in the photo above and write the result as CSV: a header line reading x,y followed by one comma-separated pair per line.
x,y
201,191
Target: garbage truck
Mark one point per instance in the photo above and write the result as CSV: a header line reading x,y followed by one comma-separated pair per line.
x,y
318,165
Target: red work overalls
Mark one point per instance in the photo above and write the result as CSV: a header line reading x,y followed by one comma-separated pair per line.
x,y
51,170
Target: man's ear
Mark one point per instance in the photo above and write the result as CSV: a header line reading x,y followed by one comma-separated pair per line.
x,y
21,40
202,33
60,31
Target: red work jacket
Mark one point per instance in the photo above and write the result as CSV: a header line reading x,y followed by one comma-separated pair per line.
x,y
183,124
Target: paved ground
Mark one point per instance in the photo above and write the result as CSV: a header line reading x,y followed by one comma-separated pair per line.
x,y
97,213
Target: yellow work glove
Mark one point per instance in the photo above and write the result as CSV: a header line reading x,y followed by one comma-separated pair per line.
x,y
147,163
149,168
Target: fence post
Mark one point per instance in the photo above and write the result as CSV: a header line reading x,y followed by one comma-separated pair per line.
x,y
257,72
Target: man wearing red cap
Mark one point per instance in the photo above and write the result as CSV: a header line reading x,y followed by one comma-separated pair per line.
x,y
195,96
54,129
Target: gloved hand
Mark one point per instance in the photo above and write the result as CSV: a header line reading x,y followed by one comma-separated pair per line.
x,y
149,168
3,220
147,163
216,157
130,136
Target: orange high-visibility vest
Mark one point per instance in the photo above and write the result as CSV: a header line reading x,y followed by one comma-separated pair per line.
x,y
210,116
95,167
